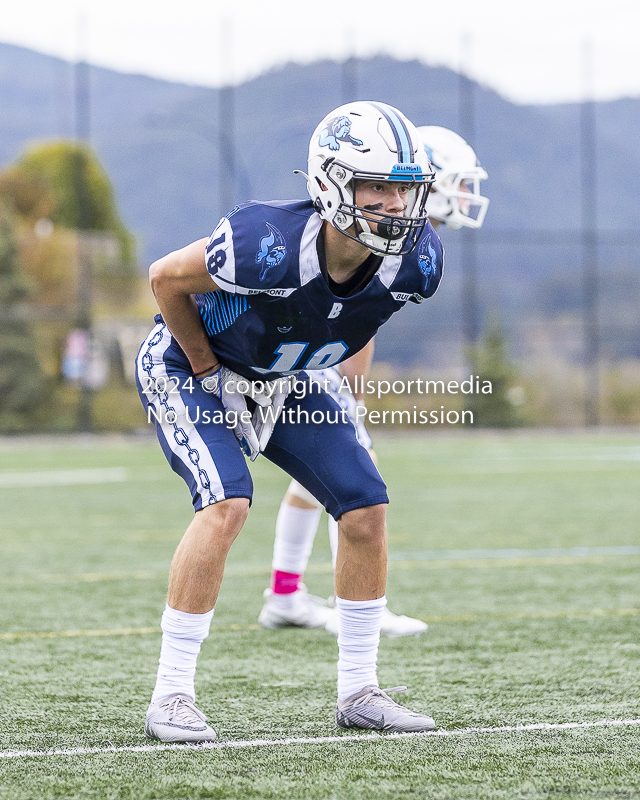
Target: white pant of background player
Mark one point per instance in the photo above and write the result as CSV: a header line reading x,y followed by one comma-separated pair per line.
x,y
287,601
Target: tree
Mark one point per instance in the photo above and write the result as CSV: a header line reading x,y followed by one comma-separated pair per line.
x,y
490,361
79,188
68,239
22,383
67,221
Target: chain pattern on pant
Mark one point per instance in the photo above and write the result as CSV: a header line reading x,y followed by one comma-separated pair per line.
x,y
171,415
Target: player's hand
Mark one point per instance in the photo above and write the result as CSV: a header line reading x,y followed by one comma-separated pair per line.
x,y
223,383
269,405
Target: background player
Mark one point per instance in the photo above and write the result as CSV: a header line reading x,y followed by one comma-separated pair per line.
x,y
455,201
308,282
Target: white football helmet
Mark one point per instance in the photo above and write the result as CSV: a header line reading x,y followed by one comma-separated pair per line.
x,y
369,141
455,198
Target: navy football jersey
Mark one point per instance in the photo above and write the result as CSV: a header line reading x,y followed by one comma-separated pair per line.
x,y
275,314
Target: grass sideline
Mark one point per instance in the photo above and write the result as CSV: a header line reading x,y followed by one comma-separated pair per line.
x,y
511,643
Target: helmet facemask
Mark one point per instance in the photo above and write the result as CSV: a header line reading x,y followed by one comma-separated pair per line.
x,y
457,200
380,232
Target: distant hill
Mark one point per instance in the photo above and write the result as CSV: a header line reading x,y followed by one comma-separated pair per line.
x,y
159,143
159,140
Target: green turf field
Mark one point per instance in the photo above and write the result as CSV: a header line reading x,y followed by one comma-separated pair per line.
x,y
485,535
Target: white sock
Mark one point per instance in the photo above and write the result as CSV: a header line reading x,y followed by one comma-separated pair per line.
x,y
295,531
182,636
358,640
333,540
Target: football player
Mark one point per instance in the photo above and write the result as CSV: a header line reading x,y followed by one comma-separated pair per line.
x,y
455,201
281,289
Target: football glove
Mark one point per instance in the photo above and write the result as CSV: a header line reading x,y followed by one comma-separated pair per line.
x,y
223,383
269,405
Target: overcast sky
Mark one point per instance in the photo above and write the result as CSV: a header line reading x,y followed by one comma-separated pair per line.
x,y
531,52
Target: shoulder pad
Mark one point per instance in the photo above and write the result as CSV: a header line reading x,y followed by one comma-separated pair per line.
x,y
256,248
421,271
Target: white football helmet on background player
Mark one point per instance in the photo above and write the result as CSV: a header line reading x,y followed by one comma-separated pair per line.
x,y
455,199
370,142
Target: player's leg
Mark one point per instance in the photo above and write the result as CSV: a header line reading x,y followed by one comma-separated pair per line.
x,y
392,624
327,459
360,585
198,563
202,449
194,582
319,449
287,602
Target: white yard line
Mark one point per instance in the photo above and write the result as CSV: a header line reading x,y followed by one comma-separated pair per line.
x,y
344,739
80,477
63,477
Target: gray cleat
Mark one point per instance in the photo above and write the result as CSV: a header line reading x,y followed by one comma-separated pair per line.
x,y
372,708
176,719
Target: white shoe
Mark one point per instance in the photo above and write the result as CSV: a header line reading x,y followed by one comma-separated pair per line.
x,y
176,719
332,620
372,709
393,625
399,625
299,610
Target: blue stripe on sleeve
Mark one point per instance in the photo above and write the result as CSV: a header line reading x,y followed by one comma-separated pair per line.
x,y
219,310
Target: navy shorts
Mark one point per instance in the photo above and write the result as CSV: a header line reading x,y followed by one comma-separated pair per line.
x,y
322,454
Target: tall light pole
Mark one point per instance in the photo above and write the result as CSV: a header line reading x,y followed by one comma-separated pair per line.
x,y
84,321
470,301
349,68
589,243
227,194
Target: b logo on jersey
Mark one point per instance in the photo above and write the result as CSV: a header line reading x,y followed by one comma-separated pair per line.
x,y
272,250
426,257
337,130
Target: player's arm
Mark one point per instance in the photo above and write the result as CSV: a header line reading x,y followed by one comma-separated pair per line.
x,y
174,279
358,364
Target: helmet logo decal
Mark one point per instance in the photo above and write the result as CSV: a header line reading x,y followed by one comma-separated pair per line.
x,y
400,171
426,257
272,250
335,131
